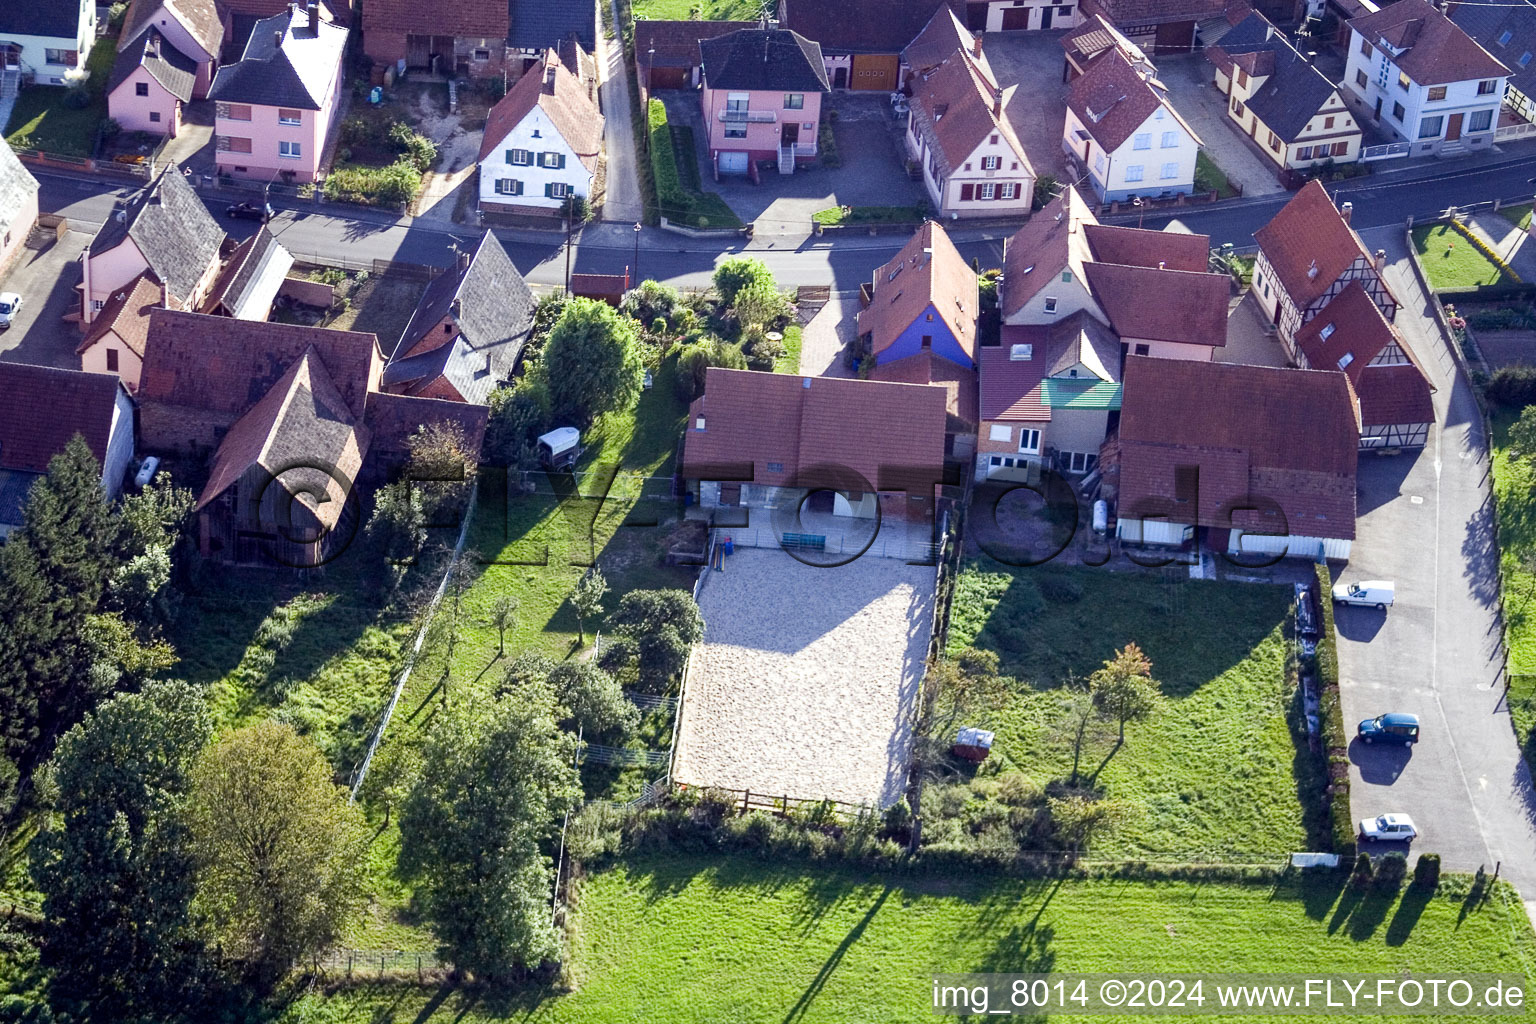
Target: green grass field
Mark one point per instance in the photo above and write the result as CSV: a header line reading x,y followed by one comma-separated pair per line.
x,y
789,362
689,940
1512,487
42,120
700,10
1451,260
835,215
1519,215
1217,774
1209,177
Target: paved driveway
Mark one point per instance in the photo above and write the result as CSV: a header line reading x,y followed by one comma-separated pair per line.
x,y
1425,523
46,282
622,202
1033,61
1198,101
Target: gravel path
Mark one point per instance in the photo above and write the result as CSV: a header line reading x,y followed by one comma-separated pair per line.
x,y
805,681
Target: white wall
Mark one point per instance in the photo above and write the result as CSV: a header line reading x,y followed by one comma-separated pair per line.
x,y
1460,97
1292,547
1111,172
34,51
1151,531
119,445
1071,296
574,174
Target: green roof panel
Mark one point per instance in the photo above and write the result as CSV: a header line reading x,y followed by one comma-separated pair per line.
x,y
1080,394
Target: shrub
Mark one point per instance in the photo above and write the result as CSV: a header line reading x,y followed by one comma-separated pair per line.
x,y
1364,872
1015,789
1045,190
760,302
1426,873
394,185
581,209
736,273
694,362
413,146
1391,871
669,187
650,300
1506,319
1061,589
77,97
1513,387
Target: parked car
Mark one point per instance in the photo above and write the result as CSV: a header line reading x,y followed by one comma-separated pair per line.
x,y
1395,727
250,211
10,305
1372,593
1388,828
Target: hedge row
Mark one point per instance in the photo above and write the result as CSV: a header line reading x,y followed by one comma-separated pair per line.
x,y
1483,247
675,199
1335,738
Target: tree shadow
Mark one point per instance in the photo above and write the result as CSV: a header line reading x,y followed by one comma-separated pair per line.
x,y
1415,899
834,961
1352,898
1370,913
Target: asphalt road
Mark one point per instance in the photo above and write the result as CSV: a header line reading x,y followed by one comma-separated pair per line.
x,y
1424,523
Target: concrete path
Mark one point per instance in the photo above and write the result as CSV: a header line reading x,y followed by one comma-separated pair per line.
x,y
1425,521
1198,101
1513,244
824,338
622,202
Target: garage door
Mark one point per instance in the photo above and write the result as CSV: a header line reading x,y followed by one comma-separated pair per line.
x,y
1008,467
733,163
875,71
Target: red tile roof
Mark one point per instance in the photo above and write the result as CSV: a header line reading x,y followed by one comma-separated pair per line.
x,y
1112,99
564,101
392,419
223,365
45,407
1154,12
1143,247
463,18
677,42
1356,334
928,270
201,18
822,431
1162,305
958,382
940,38
1094,38
1285,436
1010,388
862,26
126,314
1308,244
1049,242
1438,52
953,106
1392,395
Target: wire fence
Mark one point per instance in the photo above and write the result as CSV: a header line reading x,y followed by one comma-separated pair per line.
x,y
597,753
377,962
651,702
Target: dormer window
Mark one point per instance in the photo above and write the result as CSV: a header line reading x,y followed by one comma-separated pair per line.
x,y
1326,332
1050,304
1312,270
1021,353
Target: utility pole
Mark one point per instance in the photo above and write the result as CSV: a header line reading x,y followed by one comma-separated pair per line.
x,y
570,204
635,269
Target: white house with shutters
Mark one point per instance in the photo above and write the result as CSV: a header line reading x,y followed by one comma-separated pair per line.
x,y
541,144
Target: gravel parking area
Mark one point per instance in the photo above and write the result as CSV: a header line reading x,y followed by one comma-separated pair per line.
x,y
804,685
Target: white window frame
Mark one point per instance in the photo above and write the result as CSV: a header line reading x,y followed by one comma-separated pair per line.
x,y
1472,120
1029,441
558,189
1010,190
289,122
1000,432
1170,140
1135,172
290,150
549,160
1050,303
508,187
521,158
991,163
988,190
1170,170
1142,140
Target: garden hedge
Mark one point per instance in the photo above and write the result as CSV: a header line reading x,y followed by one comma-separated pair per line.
x,y
1335,738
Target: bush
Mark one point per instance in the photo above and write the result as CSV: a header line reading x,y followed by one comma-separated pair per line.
x,y
1364,872
395,185
1045,190
669,187
1513,387
77,97
419,150
1391,871
1426,873
1061,589
736,273
1506,319
826,143
1335,739
651,299
760,302
694,362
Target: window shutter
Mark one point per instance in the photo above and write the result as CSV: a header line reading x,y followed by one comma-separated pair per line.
x,y
511,156
517,187
967,192
560,161
549,190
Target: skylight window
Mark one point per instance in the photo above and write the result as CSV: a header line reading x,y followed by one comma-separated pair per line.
x,y
1019,353
1346,359
1326,332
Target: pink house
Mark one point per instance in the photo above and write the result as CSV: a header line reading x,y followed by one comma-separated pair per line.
x,y
274,107
151,79
761,98
193,28
18,206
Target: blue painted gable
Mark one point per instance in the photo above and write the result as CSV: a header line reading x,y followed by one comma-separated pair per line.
x,y
910,341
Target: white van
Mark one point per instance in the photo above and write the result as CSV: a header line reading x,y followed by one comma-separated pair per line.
x,y
1371,593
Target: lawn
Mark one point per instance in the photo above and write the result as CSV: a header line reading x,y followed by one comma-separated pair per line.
x,y
838,215
1519,215
1217,774
696,10
708,209
1452,261
1512,488
684,939
1209,177
43,120
789,362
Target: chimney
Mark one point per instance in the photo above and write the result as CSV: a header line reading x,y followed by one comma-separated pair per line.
x,y
976,44
312,11
549,75
277,38
1379,258
1346,211
997,102
1162,264
461,263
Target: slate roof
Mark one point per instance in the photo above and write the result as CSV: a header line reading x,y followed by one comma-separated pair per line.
x,y
222,365
475,19
564,101
1429,47
861,26
174,70
940,38
126,314
296,72
1357,333
1162,305
677,42
302,435
1286,436
57,18
1487,25
1295,90
1125,13
755,58
824,431
17,186
45,407
540,24
1112,99
1309,233
493,308
392,419
199,17
251,277
928,270
952,109
171,227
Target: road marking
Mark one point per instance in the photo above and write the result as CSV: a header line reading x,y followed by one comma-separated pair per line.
x,y
1417,499
1482,782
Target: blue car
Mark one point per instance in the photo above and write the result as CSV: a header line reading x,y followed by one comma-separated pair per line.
x,y
1391,728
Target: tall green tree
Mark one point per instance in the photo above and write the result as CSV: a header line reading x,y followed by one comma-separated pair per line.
x,y
587,600
279,850
113,859
1124,691
591,363
592,702
664,625
736,273
495,779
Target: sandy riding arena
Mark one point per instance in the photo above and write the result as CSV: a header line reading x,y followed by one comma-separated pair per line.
x,y
804,685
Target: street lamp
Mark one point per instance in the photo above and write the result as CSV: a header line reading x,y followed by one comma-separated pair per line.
x,y
1141,214
635,267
